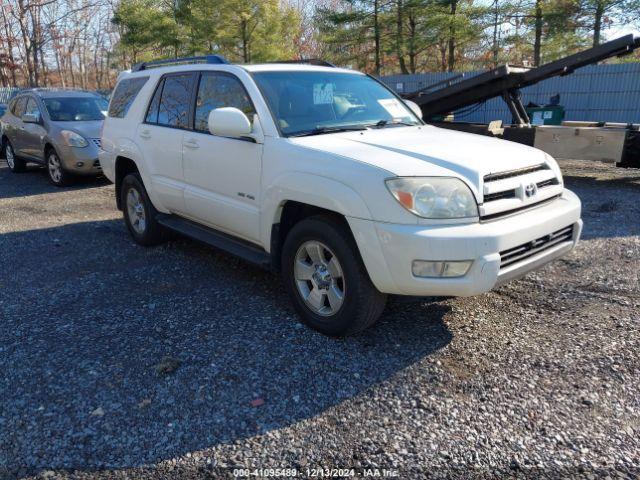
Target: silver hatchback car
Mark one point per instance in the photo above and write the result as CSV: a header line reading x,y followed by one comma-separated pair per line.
x,y
59,129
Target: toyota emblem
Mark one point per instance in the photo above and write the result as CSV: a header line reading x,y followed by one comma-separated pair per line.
x,y
530,190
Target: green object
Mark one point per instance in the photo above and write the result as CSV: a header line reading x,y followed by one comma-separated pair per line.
x,y
549,115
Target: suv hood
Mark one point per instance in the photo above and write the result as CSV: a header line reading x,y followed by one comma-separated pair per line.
x,y
88,129
428,151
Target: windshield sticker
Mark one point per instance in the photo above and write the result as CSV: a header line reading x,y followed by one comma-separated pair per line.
x,y
322,93
393,107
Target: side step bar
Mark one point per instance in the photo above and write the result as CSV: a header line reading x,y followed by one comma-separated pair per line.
x,y
216,239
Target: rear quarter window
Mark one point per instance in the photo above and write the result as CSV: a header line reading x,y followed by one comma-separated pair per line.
x,y
124,96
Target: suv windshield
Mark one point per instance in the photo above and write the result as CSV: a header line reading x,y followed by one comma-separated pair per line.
x,y
308,103
75,109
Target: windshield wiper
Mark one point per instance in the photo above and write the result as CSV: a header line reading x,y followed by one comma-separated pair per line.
x,y
323,130
385,123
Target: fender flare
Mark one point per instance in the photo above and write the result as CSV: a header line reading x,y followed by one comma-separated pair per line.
x,y
310,189
128,149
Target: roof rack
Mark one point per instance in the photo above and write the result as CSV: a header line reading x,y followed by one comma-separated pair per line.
x,y
309,61
210,59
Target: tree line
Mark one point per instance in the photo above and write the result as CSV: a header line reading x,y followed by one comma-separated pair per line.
x,y
85,43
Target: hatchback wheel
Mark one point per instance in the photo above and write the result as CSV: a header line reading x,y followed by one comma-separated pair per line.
x,y
15,164
57,174
326,278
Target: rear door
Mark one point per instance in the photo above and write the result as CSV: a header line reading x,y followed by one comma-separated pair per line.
x,y
161,136
13,127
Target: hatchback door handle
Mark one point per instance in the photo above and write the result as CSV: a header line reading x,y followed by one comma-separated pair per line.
x,y
145,134
191,144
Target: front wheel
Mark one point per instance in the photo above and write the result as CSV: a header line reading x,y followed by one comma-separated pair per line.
x,y
56,172
15,164
327,280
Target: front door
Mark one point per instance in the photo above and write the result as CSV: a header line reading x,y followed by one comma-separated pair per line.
x,y
33,133
222,175
160,138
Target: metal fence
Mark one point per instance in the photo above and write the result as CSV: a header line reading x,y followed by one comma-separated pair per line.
x,y
7,93
607,93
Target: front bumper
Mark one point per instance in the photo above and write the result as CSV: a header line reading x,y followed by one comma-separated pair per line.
x,y
80,161
388,250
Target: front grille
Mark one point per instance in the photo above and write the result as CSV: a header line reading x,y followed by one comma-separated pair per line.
x,y
505,193
97,142
491,197
529,249
546,183
514,173
96,163
495,216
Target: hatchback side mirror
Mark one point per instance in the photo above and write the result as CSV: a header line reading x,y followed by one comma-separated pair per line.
x,y
415,108
31,118
229,122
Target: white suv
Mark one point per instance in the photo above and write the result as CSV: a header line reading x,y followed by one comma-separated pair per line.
x,y
329,177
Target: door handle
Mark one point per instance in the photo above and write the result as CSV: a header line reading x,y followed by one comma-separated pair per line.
x,y
191,144
145,134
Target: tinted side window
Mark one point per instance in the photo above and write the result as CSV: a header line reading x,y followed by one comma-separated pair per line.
x,y
152,112
217,91
32,107
175,102
124,95
18,107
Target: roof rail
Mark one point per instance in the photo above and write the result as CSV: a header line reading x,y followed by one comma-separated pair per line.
x,y
309,61
210,59
55,89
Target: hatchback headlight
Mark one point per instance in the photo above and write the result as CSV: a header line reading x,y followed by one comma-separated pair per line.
x,y
73,139
434,197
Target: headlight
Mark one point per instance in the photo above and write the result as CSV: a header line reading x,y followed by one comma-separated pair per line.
x,y
73,139
434,197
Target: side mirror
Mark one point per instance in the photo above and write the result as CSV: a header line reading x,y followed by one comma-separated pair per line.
x,y
31,118
229,122
415,108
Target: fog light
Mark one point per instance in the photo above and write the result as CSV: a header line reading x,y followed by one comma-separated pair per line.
x,y
429,269
79,164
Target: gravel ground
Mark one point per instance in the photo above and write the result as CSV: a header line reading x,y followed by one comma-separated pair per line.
x,y
179,361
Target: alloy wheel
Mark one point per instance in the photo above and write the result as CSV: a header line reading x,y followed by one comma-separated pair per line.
x,y
136,212
55,169
11,159
319,278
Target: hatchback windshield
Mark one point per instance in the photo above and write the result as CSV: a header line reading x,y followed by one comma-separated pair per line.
x,y
75,109
308,103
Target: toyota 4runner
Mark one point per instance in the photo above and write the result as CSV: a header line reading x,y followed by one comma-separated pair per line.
x,y
329,177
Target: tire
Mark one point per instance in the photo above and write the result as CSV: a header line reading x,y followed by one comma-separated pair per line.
x,y
16,165
322,281
55,171
139,213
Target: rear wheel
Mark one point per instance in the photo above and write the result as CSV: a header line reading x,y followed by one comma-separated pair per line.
x,y
326,279
139,212
56,172
15,164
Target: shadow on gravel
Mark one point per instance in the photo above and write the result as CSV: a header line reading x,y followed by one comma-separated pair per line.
x,y
113,355
34,181
608,205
